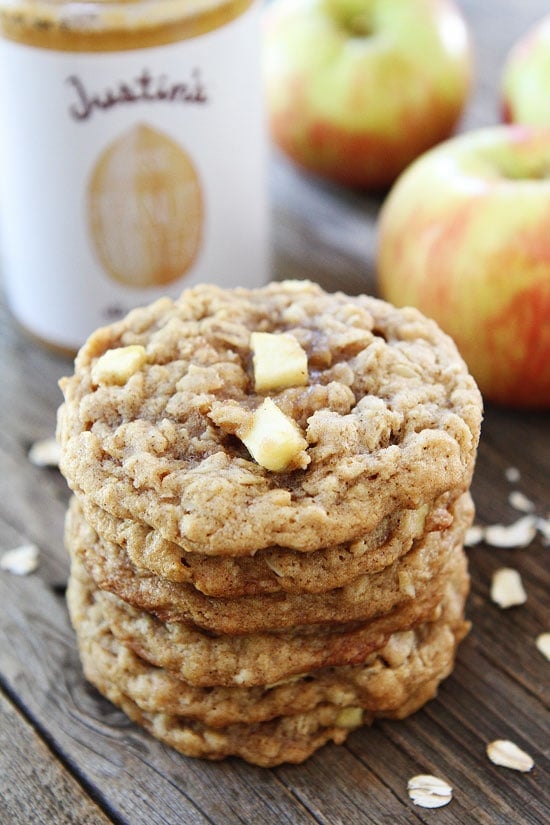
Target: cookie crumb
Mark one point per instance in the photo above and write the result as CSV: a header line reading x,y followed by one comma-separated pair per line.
x,y
429,791
21,560
512,474
520,502
507,588
518,534
44,453
506,754
543,644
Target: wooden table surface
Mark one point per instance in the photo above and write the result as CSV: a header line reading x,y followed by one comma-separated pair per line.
x,y
68,756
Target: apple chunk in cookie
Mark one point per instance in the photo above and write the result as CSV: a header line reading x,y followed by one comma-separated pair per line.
x,y
273,439
117,365
279,361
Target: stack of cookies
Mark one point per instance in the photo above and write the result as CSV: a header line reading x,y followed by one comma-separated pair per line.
x,y
270,502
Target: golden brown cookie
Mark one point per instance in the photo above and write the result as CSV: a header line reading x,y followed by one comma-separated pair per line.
x,y
362,599
280,723
383,683
205,659
389,415
274,569
283,739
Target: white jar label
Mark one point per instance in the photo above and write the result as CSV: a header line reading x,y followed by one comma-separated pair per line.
x,y
129,175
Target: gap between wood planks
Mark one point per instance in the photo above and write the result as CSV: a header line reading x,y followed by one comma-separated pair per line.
x,y
64,774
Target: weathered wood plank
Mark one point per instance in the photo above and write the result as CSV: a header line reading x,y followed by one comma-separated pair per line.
x,y
33,502
34,786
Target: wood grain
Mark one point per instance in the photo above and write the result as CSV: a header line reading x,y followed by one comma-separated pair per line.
x,y
50,792
67,755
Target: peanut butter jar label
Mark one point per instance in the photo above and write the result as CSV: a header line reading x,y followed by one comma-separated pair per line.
x,y
129,175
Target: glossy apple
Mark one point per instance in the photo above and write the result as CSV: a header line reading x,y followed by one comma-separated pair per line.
x,y
464,235
356,89
526,78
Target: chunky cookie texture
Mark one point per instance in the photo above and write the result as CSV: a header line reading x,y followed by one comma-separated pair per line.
x,y
269,511
208,660
383,683
365,597
389,415
275,569
303,711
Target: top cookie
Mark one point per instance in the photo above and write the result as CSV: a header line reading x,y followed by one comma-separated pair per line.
x,y
389,418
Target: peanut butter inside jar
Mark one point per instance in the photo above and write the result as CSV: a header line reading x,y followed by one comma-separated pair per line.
x,y
102,26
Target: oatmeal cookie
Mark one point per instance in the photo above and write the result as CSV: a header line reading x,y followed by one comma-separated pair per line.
x,y
384,683
284,739
206,660
390,418
360,600
275,569
290,738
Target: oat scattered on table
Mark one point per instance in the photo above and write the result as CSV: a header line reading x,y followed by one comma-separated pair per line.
x,y
507,754
520,502
474,535
429,791
543,645
21,560
44,453
507,588
512,474
518,534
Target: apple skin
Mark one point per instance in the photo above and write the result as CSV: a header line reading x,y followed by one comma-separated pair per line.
x,y
358,108
464,236
525,90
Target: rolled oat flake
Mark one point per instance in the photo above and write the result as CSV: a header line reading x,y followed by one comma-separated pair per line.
x,y
507,754
429,791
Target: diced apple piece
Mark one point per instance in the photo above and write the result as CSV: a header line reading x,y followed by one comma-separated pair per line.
x,y
272,438
117,365
350,717
279,361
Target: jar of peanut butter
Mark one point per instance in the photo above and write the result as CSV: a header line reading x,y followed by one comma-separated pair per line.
x,y
133,156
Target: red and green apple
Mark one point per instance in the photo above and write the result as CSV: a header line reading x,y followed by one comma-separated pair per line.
x,y
526,78
356,89
464,236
